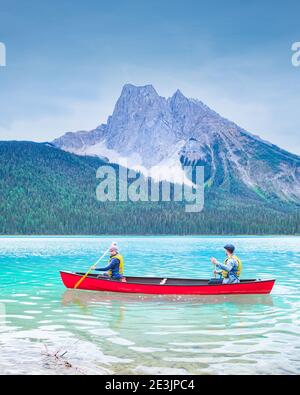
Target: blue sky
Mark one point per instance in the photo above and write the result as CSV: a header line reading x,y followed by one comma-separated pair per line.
x,y
68,60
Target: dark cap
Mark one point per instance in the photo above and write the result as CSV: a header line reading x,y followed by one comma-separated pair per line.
x,y
230,248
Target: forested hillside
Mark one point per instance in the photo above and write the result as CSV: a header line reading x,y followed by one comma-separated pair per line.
x,y
45,190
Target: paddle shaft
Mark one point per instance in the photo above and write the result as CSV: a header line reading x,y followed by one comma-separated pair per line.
x,y
89,271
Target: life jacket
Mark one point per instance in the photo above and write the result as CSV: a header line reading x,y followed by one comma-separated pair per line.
x,y
239,268
121,266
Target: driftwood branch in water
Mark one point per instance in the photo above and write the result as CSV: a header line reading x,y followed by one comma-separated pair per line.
x,y
58,358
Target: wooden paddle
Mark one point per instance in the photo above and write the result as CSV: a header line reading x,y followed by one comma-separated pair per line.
x,y
90,269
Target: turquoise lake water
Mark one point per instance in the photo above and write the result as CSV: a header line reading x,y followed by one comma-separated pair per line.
x,y
131,334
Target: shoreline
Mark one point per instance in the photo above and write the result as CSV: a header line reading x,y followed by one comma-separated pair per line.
x,y
152,235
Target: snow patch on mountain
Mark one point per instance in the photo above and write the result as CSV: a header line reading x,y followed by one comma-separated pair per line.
x,y
150,133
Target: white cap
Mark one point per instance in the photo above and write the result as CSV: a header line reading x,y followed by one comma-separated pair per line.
x,y
114,246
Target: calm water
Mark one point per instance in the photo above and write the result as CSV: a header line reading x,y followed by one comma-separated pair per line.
x,y
116,333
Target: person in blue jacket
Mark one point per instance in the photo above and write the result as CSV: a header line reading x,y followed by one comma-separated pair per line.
x,y
115,266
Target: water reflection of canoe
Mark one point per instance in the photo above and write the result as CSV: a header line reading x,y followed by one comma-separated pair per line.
x,y
170,286
73,296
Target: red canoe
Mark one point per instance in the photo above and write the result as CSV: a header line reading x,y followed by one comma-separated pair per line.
x,y
170,286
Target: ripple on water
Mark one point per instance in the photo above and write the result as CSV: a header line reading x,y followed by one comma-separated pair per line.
x,y
120,341
147,349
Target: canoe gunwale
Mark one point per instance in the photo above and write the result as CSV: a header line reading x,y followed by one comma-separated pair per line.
x,y
184,281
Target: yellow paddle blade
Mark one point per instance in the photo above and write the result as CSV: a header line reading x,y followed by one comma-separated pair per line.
x,y
82,278
89,271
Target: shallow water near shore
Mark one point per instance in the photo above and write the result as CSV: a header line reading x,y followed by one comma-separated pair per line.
x,y
132,334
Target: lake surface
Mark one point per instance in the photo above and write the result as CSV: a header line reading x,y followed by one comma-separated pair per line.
x,y
135,334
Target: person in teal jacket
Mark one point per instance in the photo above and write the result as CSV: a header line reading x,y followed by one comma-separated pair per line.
x,y
230,270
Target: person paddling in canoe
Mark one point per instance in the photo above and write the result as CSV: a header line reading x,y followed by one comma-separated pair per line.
x,y
230,270
115,267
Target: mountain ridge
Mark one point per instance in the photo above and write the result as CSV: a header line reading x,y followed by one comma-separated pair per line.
x,y
149,132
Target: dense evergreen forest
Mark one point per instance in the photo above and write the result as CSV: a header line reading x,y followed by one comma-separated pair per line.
x,y
48,191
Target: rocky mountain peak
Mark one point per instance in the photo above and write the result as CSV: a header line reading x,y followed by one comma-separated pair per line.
x,y
178,96
152,131
130,91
